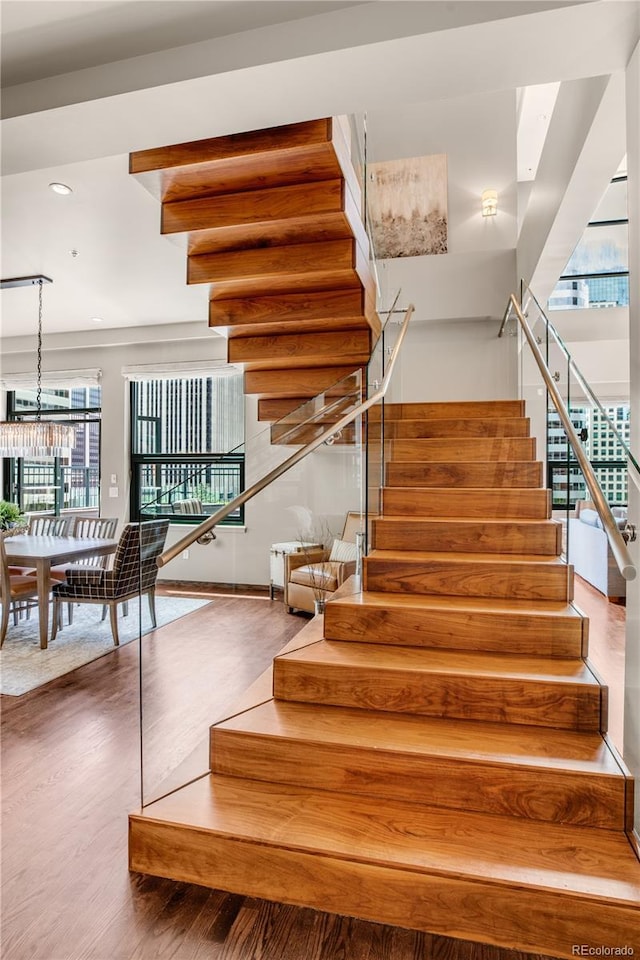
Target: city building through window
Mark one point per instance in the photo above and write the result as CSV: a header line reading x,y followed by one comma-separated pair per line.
x,y
187,446
53,484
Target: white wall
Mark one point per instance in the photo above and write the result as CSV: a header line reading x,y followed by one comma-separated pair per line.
x,y
325,486
478,135
456,360
452,351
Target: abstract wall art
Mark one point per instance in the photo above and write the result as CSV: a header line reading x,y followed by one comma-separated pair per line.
x,y
407,202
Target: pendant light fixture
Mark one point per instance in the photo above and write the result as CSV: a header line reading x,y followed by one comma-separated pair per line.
x,y
35,438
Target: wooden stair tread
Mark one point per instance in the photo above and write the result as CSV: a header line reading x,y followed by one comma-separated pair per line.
x,y
424,556
273,156
453,409
485,503
444,521
465,474
567,860
541,627
528,608
345,655
468,534
460,740
466,449
300,349
407,428
301,383
525,576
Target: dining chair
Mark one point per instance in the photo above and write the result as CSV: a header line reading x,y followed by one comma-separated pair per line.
x,y
134,573
50,526
15,589
43,527
101,528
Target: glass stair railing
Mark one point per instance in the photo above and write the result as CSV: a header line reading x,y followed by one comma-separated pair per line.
x,y
590,469
288,495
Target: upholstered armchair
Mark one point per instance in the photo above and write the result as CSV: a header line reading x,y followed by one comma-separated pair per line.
x,y
316,573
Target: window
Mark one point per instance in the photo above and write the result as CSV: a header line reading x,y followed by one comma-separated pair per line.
x,y
187,446
606,453
51,484
597,275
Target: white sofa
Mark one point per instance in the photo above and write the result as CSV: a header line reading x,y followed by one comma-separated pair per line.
x,y
590,553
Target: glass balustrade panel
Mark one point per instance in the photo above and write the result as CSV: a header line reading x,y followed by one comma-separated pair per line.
x,y
220,605
603,429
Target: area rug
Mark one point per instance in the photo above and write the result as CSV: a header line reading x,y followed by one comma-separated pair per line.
x,y
24,666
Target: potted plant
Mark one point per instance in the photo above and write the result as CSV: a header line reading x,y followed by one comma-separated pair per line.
x,y
11,516
318,538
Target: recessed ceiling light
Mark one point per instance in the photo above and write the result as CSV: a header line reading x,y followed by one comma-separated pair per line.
x,y
61,188
98,319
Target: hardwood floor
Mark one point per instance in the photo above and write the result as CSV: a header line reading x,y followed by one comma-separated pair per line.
x,y
70,764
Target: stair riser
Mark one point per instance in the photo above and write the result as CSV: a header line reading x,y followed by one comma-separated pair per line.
x,y
531,921
282,383
456,630
467,537
252,207
482,504
449,578
455,410
562,705
302,435
498,475
463,449
341,306
425,429
486,787
300,350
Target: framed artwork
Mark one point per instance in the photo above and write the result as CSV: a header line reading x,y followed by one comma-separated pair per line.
x,y
408,206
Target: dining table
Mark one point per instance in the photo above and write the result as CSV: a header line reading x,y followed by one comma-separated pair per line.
x,y
43,552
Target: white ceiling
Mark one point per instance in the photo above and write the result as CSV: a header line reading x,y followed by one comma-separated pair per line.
x,y
78,126
43,38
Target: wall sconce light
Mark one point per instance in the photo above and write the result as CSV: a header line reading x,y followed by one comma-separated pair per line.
x,y
489,203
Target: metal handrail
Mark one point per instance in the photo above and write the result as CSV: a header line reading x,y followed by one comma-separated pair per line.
x,y
619,548
207,525
580,376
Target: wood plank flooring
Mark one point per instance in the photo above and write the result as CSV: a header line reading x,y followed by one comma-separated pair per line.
x,y
70,763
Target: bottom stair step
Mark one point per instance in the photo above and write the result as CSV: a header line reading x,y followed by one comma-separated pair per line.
x,y
533,887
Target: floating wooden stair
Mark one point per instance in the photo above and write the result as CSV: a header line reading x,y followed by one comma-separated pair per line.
x,y
271,220
433,753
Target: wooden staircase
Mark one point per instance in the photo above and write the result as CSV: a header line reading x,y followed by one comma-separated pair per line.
x,y
433,754
271,220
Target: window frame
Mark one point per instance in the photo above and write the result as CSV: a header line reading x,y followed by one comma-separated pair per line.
x,y
201,461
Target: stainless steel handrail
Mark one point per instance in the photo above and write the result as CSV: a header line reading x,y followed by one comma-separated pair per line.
x,y
203,528
619,548
582,380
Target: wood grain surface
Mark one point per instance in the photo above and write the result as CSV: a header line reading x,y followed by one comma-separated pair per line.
x,y
469,535
67,894
463,474
471,427
552,629
497,503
